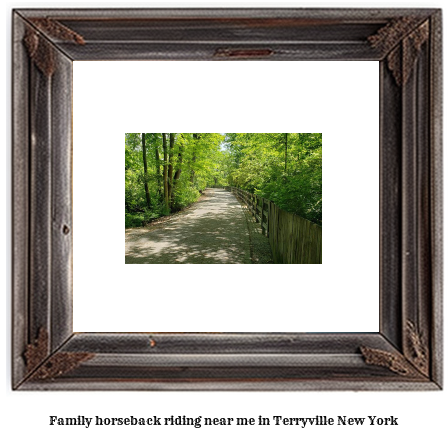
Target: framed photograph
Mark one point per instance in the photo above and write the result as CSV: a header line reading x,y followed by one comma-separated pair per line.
x,y
404,354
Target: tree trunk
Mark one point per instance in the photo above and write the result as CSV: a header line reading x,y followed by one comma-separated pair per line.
x,y
145,169
178,171
170,169
192,174
165,175
158,174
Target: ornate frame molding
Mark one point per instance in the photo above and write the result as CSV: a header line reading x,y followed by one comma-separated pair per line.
x,y
406,354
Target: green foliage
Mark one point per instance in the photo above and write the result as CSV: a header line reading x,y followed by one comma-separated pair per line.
x,y
133,220
141,219
194,161
184,195
285,168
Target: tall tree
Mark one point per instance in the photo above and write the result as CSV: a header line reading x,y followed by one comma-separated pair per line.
x,y
170,168
158,174
145,171
165,174
193,160
285,168
178,172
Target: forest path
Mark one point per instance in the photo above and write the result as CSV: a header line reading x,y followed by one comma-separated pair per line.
x,y
213,231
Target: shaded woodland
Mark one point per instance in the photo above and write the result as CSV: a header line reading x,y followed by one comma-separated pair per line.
x,y
165,173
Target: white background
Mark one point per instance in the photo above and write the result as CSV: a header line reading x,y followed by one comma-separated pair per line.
x,y
420,414
340,295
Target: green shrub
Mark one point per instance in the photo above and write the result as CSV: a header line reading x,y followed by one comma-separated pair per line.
x,y
133,220
185,195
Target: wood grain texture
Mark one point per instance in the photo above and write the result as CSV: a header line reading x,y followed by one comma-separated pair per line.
x,y
436,195
40,200
344,14
61,201
390,207
415,188
20,200
410,210
225,343
244,383
292,238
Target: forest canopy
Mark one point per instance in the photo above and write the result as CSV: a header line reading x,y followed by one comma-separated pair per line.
x,y
164,173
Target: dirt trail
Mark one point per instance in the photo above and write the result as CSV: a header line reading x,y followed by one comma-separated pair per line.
x,y
212,231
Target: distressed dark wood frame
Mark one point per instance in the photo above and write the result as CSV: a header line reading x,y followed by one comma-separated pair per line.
x,y
406,354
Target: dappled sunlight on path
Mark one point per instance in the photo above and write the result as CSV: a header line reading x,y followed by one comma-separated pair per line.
x,y
213,231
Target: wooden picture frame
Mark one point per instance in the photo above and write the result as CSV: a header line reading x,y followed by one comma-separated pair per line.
x,y
406,354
